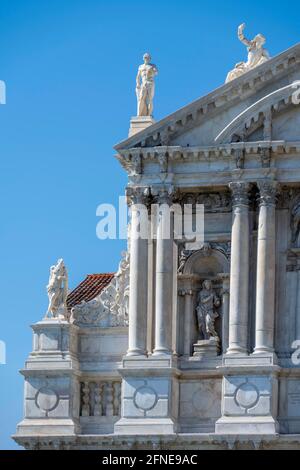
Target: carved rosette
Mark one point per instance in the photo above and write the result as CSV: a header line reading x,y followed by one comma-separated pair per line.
x,y
240,193
267,192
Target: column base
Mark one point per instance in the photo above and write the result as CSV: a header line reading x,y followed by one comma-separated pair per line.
x,y
236,350
161,352
136,352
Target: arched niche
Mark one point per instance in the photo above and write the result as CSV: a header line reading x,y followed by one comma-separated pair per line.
x,y
207,262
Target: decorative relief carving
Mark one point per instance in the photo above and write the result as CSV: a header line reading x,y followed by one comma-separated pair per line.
x,y
205,250
265,157
46,399
246,395
239,155
145,398
110,307
267,192
240,192
213,202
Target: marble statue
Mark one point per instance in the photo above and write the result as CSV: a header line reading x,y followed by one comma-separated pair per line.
x,y
57,289
257,54
207,300
145,86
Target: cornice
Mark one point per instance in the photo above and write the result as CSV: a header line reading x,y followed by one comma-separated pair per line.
x,y
133,159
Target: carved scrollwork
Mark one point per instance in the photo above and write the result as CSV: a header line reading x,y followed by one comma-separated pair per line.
x,y
110,307
213,202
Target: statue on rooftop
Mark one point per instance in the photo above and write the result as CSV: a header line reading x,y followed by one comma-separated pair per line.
x,y
257,54
57,289
145,86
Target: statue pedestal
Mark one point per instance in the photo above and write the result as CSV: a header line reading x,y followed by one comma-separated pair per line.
x,y
207,348
139,123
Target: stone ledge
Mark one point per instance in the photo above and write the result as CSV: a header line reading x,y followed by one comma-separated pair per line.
x,y
180,441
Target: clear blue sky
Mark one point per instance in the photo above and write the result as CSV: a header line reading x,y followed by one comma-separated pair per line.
x,y
69,67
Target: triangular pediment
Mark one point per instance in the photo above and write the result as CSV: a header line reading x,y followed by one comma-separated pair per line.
x,y
219,116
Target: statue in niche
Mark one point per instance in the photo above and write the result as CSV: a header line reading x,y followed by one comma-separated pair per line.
x,y
145,86
57,289
257,54
207,301
295,224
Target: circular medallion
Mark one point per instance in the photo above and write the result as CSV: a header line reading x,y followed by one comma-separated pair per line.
x,y
46,399
246,395
145,398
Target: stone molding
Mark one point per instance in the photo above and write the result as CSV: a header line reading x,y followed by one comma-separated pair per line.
x,y
238,151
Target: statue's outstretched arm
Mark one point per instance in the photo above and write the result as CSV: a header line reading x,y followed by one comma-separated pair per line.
x,y
241,36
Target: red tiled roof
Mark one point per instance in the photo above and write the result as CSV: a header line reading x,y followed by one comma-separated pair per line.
x,y
89,288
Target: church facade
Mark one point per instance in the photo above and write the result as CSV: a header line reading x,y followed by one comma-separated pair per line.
x,y
188,345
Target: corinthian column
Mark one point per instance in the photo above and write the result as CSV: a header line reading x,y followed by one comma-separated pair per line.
x,y
164,276
265,279
137,335
239,270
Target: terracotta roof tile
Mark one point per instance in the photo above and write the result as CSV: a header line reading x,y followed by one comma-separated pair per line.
x,y
89,288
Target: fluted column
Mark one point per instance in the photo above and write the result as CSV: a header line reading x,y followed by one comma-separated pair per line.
x,y
239,270
265,279
138,287
164,276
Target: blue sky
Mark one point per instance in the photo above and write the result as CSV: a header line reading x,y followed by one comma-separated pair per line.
x,y
69,68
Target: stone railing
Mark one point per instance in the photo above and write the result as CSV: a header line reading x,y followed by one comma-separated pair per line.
x,y
100,398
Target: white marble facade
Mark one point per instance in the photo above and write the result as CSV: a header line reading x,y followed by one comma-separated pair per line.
x,y
106,380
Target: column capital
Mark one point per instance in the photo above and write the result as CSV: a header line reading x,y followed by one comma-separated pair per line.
x,y
164,195
184,292
239,191
138,196
268,190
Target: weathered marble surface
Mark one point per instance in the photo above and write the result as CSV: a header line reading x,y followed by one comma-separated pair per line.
x,y
237,151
